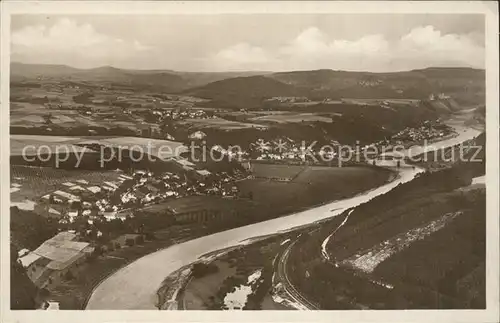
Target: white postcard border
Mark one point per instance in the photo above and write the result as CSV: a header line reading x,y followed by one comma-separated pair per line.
x,y
489,9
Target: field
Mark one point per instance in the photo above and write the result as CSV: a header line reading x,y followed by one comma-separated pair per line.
x,y
276,117
308,186
378,101
218,123
37,181
157,147
19,142
291,118
51,108
196,203
32,115
276,171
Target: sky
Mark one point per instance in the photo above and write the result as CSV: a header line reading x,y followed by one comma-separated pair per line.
x,y
257,42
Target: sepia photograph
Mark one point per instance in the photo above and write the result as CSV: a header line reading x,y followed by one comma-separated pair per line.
x,y
264,159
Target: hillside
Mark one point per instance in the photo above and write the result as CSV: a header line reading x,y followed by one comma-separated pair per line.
x,y
414,84
246,92
248,89
466,86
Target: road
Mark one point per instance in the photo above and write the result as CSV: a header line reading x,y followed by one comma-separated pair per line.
x,y
135,286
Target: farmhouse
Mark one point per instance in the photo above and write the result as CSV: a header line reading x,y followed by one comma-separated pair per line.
x,y
55,258
202,174
47,211
197,135
66,195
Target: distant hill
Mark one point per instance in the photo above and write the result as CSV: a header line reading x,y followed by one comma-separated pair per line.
x,y
465,85
416,84
245,91
162,80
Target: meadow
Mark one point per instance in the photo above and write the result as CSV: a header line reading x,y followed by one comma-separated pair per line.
x,y
218,123
308,186
291,118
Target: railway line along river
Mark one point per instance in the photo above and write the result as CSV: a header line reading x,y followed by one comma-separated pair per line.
x,y
135,285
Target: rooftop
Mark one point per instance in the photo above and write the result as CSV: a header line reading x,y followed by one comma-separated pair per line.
x,y
62,250
28,259
183,162
203,172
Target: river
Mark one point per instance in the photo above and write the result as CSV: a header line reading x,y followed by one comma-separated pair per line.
x,y
135,286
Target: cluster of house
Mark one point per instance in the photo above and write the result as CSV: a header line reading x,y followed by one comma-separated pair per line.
x,y
78,198
439,96
186,114
286,149
289,99
175,114
169,184
425,132
115,196
149,189
368,83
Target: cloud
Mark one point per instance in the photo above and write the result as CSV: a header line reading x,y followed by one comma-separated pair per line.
x,y
68,42
428,44
241,56
82,45
312,49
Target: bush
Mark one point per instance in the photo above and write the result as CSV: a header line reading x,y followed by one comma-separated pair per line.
x,y
130,242
69,275
139,239
200,269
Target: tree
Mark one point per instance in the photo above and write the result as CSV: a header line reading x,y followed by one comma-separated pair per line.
x,y
22,290
130,242
200,269
139,239
47,118
149,236
69,275
29,230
